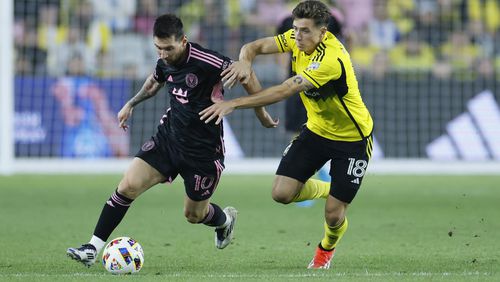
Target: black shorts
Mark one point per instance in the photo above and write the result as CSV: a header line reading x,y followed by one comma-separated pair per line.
x,y
309,152
200,176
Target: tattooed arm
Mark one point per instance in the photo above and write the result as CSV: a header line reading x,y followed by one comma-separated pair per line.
x,y
148,90
265,97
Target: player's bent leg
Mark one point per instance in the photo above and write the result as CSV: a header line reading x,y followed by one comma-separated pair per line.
x,y
139,177
285,189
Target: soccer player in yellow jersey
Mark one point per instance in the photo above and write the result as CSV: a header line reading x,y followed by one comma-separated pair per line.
x,y
339,126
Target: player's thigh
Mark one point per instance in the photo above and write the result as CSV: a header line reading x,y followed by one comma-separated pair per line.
x,y
348,167
139,177
201,178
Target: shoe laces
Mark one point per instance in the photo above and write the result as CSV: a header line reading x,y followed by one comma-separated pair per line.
x,y
86,247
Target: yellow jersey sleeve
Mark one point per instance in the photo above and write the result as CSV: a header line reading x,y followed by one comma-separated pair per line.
x,y
319,73
285,41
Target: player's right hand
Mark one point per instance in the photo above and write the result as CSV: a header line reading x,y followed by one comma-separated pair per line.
x,y
237,71
123,116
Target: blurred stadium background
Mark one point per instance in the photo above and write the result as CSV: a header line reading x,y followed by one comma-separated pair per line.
x,y
429,71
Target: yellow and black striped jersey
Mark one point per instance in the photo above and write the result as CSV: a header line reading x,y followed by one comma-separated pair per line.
x,y
335,109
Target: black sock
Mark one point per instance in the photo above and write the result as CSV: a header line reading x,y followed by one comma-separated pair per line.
x,y
215,216
112,213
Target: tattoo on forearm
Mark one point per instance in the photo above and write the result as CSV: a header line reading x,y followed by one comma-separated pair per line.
x,y
147,91
297,79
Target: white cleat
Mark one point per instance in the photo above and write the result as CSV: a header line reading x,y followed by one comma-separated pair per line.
x,y
224,235
85,254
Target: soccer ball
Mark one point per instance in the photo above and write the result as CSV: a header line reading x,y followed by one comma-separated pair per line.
x,y
123,255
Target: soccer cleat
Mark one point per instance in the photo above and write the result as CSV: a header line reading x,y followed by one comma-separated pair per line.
x,y
224,235
321,259
86,254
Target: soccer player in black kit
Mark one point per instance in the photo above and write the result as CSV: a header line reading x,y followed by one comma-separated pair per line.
x,y
182,145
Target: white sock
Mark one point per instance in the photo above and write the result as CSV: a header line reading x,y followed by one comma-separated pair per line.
x,y
97,242
228,221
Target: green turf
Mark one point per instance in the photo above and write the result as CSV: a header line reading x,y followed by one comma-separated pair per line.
x,y
401,228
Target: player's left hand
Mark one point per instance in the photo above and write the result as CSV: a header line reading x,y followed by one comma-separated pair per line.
x,y
265,118
217,110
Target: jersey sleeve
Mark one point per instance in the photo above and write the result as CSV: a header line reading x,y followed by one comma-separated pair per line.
x,y
319,73
214,63
158,74
285,41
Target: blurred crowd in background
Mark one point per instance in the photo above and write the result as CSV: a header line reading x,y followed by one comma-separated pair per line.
x,y
113,38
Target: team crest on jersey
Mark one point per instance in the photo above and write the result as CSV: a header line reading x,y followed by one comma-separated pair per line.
x,y
191,80
150,144
313,66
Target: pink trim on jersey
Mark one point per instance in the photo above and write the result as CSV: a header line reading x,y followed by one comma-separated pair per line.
x,y
208,58
189,54
206,61
216,95
213,57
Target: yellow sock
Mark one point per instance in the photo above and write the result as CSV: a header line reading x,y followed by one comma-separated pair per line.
x,y
333,234
313,189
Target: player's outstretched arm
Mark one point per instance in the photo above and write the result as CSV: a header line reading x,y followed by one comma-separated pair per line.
x,y
148,90
265,97
253,86
241,69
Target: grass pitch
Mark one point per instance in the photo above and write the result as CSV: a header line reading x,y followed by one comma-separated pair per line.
x,y
402,228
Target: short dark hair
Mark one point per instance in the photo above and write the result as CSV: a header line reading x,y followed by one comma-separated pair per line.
x,y
168,25
314,10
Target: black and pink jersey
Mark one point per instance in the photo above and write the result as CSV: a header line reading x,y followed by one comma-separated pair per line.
x,y
193,86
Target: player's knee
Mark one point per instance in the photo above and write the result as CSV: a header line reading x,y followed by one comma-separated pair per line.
x,y
281,197
128,188
334,217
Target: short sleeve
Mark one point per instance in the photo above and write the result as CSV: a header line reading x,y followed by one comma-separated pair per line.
x,y
159,74
285,41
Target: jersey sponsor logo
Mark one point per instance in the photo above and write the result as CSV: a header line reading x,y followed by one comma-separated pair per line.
x,y
148,145
283,40
191,80
312,93
180,95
